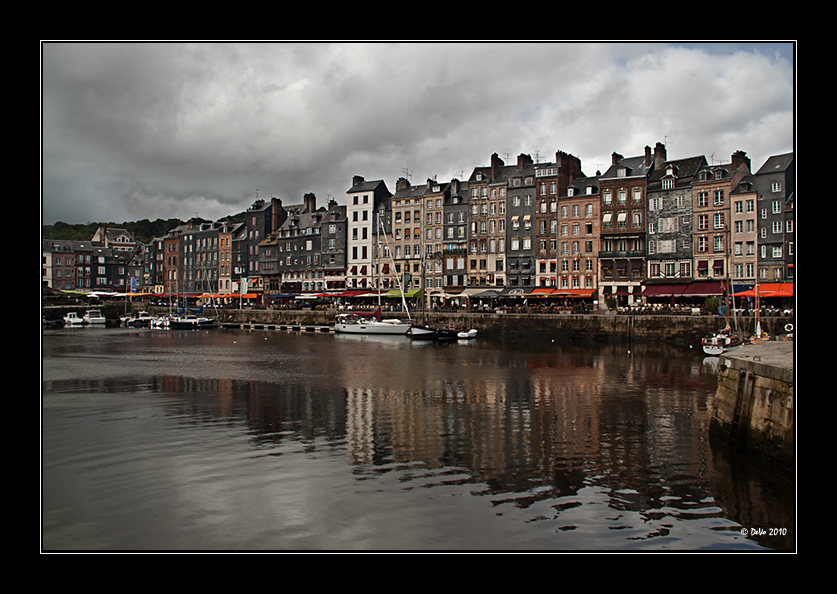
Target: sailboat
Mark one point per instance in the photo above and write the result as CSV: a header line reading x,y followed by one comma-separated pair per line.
x,y
422,331
725,340
368,323
371,323
471,332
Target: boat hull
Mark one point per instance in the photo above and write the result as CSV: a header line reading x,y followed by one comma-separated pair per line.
x,y
371,328
176,325
419,333
718,345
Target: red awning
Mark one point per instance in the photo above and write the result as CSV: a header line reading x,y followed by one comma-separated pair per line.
x,y
663,290
704,289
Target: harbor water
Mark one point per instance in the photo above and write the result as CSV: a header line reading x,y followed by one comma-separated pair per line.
x,y
279,441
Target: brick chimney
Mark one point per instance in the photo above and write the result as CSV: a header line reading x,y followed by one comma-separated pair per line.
x,y
659,155
310,203
523,161
569,168
277,214
401,184
615,158
357,180
740,158
648,158
496,165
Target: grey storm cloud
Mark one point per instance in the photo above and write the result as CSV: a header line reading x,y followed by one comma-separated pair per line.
x,y
148,130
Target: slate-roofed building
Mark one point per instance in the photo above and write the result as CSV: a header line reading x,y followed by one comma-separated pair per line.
x,y
367,205
670,214
775,183
623,234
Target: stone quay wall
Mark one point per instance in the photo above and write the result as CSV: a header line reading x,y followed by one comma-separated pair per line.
x,y
753,405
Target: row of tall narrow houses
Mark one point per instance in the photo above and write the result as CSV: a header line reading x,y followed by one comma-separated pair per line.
x,y
646,227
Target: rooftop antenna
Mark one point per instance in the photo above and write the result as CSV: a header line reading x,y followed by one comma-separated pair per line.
x,y
408,174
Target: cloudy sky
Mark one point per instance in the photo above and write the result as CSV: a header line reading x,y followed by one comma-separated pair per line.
x,y
173,130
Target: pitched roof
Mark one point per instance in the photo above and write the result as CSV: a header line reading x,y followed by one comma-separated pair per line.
x,y
776,164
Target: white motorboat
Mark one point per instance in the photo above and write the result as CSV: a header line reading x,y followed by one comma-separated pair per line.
x,y
141,319
190,321
94,316
73,319
468,334
356,323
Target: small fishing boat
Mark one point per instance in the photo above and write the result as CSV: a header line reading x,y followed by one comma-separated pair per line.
x,y
447,333
190,322
467,334
421,333
94,316
141,319
721,342
73,319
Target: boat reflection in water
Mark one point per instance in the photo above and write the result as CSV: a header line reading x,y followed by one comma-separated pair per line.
x,y
271,440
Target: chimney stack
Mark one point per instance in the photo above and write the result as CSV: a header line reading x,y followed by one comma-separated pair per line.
x,y
357,180
310,203
523,161
648,158
496,164
275,214
740,158
659,155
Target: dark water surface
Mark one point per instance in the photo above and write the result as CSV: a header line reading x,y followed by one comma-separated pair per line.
x,y
262,440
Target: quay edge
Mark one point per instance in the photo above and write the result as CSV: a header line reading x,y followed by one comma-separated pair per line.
x,y
753,408
596,327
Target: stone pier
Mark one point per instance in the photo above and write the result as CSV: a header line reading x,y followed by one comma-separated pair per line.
x,y
753,407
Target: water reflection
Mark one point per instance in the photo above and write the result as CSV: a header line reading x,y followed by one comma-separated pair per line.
x,y
499,445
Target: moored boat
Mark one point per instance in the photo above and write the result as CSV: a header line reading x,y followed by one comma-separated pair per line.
x,y
94,316
358,323
73,319
447,333
190,322
467,334
143,319
421,333
721,342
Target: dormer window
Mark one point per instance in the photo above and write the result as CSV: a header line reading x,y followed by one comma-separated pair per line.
x,y
668,183
570,192
621,172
